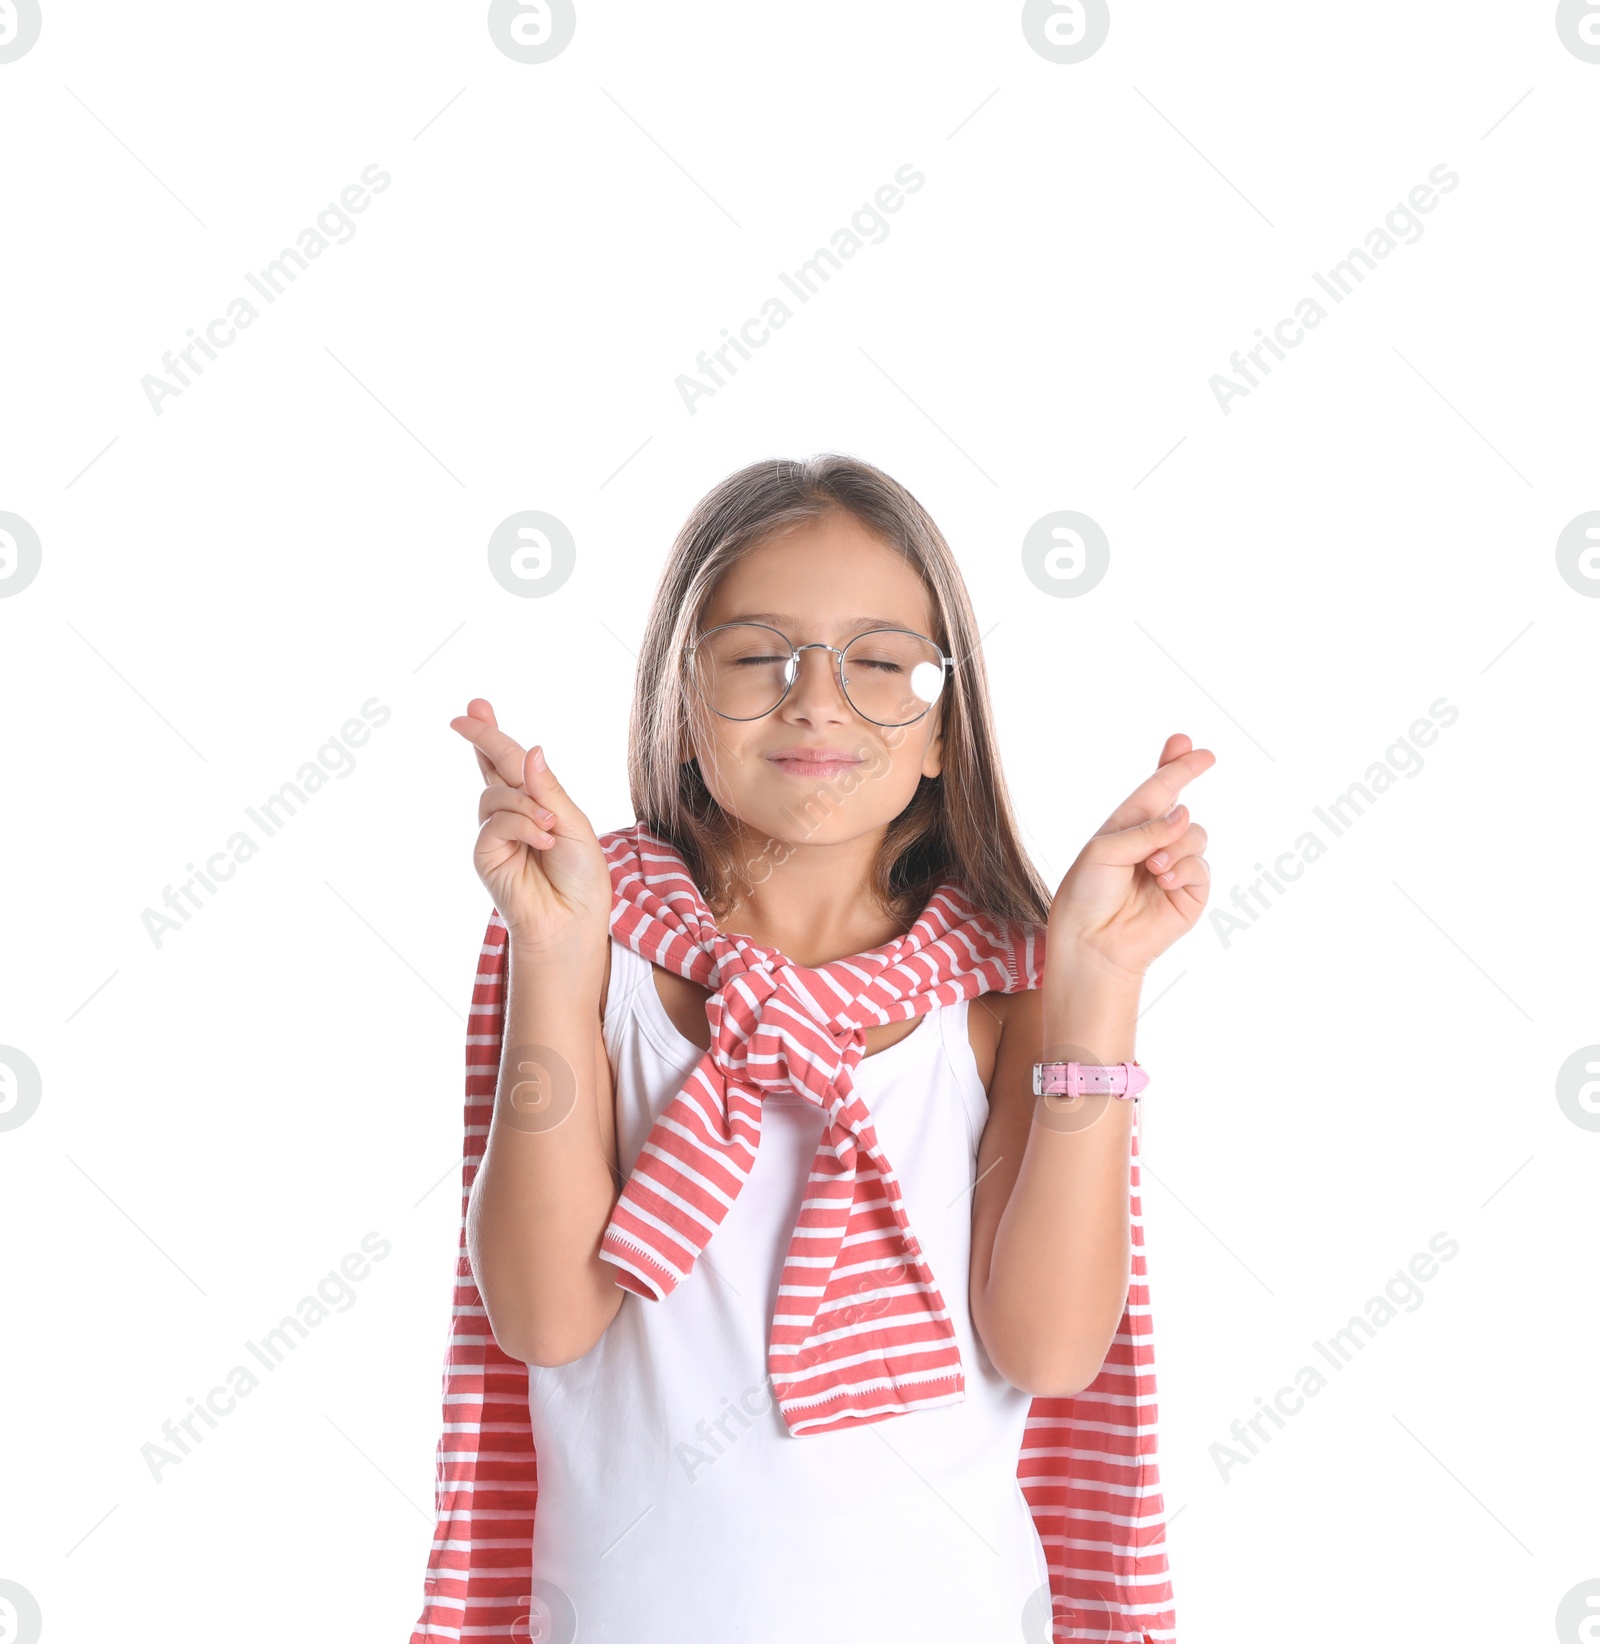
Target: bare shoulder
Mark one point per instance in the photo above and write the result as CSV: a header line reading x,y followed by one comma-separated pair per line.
x,y
1012,1020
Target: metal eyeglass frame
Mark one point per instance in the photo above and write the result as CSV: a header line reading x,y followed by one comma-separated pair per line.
x,y
793,671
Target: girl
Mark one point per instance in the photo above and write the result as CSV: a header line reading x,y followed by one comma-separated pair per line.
x,y
819,1321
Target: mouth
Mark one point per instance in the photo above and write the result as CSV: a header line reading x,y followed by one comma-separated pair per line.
x,y
813,763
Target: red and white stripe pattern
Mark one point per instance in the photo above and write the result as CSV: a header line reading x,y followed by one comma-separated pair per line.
x,y
861,1331
1088,1473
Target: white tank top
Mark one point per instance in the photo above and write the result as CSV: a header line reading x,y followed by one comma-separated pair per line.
x,y
674,1506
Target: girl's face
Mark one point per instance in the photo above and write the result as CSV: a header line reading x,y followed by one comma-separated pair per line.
x,y
813,771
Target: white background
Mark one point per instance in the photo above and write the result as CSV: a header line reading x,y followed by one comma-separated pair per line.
x,y
1373,1061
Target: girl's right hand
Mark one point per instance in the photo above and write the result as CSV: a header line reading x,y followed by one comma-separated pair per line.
x,y
536,853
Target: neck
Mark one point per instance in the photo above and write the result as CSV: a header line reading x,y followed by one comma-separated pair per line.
x,y
816,904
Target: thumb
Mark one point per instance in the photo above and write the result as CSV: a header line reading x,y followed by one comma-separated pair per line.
x,y
1134,844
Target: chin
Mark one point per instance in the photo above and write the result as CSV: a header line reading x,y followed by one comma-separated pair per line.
x,y
811,813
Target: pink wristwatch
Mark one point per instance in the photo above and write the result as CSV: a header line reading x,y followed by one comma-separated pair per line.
x,y
1124,1079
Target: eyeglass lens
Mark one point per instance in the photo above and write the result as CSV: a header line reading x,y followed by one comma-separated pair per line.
x,y
890,677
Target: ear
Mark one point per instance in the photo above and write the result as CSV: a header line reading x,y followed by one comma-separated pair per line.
x,y
933,758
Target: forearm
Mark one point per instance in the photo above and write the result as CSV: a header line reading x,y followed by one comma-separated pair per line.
x,y
1058,1276
545,1188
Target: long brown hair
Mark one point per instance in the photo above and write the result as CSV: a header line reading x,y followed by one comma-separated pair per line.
x,y
959,825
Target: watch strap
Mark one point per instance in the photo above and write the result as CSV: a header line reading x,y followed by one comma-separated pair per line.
x,y
1121,1079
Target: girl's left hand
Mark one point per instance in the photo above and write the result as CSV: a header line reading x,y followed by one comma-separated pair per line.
x,y
1142,881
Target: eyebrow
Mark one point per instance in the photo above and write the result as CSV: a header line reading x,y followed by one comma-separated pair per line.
x,y
780,619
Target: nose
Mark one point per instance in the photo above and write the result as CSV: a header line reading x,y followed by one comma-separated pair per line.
x,y
815,697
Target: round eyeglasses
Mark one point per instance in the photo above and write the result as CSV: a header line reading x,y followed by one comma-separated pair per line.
x,y
889,676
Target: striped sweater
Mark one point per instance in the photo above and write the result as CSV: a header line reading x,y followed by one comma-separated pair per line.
x,y
861,1332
